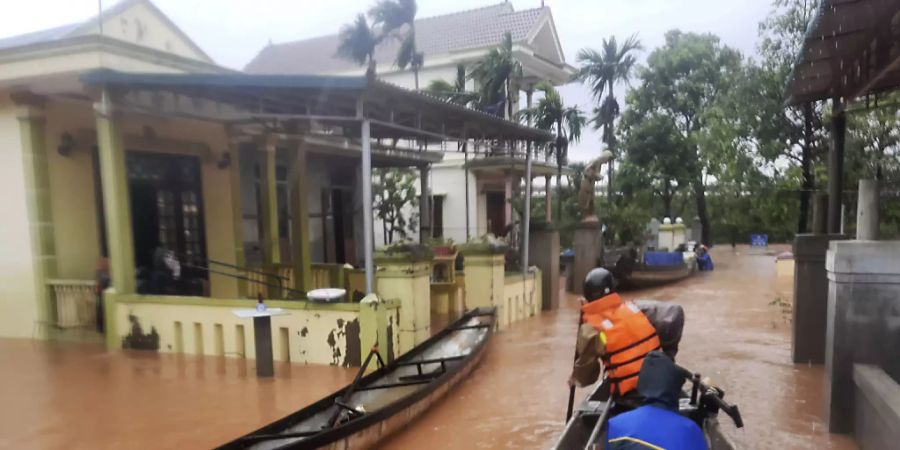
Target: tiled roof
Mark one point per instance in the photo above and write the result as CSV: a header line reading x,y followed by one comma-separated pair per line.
x,y
51,34
437,35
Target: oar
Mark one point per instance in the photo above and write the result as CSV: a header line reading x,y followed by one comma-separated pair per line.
x,y
572,387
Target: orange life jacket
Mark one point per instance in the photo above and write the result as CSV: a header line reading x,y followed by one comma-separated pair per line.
x,y
628,335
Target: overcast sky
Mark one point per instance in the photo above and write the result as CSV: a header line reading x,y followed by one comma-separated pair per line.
x,y
232,31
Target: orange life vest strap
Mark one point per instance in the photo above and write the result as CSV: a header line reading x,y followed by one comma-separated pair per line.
x,y
636,358
630,346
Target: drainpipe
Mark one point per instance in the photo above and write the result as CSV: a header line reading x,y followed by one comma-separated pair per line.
x,y
367,204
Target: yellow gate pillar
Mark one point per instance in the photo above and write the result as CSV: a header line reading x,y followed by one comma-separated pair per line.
x,y
302,258
116,203
483,266
403,274
32,125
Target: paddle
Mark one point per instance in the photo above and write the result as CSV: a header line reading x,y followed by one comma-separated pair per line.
x,y
572,387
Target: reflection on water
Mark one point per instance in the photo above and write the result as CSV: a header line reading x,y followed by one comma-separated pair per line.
x,y
517,397
65,396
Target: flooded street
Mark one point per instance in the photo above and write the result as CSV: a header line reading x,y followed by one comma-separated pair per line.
x,y
59,396
65,396
517,397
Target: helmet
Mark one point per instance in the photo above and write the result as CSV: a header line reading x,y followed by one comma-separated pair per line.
x,y
599,282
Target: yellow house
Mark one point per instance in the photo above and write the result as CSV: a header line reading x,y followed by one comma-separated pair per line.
x,y
124,149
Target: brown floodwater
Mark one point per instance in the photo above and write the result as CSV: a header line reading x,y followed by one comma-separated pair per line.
x,y
517,397
55,396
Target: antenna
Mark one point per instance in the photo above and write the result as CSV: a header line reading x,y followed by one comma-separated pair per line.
x,y
100,26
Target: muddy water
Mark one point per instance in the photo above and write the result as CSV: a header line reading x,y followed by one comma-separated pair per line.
x,y
517,397
56,397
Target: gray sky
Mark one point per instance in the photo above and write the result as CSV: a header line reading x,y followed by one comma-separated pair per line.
x,y
232,31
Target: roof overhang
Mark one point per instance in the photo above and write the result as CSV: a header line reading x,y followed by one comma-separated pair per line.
x,y
851,49
514,164
338,103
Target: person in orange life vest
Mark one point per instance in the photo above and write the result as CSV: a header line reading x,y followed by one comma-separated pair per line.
x,y
613,331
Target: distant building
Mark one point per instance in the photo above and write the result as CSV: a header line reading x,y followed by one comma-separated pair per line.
x,y
449,41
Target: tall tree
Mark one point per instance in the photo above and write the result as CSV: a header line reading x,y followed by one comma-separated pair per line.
x,y
567,121
397,18
655,148
454,92
793,134
357,42
602,71
681,81
498,76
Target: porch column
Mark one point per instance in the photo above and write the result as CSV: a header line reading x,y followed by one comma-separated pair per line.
x,y
237,211
32,127
836,170
116,203
302,258
269,202
368,238
424,206
548,199
508,196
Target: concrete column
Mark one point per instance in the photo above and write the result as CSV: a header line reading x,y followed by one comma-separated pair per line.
x,y
863,320
300,245
32,128
424,206
836,170
820,214
375,328
407,279
810,312
237,216
867,211
588,251
508,196
269,202
544,251
116,202
548,200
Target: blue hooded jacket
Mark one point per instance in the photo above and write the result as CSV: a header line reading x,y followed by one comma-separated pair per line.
x,y
656,424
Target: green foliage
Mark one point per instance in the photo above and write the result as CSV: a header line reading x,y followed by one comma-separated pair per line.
x,y
397,19
498,76
394,190
357,42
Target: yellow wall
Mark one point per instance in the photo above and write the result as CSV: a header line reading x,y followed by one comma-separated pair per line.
x,y
72,184
310,329
521,298
18,309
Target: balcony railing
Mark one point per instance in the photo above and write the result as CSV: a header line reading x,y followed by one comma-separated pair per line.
x,y
75,301
268,280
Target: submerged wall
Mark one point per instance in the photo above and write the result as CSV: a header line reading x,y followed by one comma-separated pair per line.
x,y
338,334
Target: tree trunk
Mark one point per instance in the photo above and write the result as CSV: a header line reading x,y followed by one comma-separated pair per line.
x,y
509,108
700,196
667,199
806,168
416,76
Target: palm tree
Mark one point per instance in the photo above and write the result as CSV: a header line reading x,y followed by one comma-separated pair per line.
x,y
602,71
498,76
550,114
454,92
357,42
393,16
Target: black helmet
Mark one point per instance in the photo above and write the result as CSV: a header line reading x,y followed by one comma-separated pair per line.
x,y
598,283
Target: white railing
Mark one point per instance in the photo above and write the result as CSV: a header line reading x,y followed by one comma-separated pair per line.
x,y
76,302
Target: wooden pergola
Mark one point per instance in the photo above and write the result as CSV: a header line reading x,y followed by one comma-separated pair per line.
x,y
851,51
294,107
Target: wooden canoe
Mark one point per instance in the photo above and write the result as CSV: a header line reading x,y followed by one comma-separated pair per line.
x,y
362,414
587,427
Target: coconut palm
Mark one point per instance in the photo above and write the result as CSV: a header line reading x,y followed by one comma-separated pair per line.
x,y
602,71
498,76
454,92
567,121
397,18
357,42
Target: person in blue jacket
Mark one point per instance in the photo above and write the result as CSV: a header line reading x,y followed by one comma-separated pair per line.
x,y
656,424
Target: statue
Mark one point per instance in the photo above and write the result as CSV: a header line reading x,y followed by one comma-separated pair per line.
x,y
586,193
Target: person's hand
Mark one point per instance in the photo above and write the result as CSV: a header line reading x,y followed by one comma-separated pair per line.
x,y
582,301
